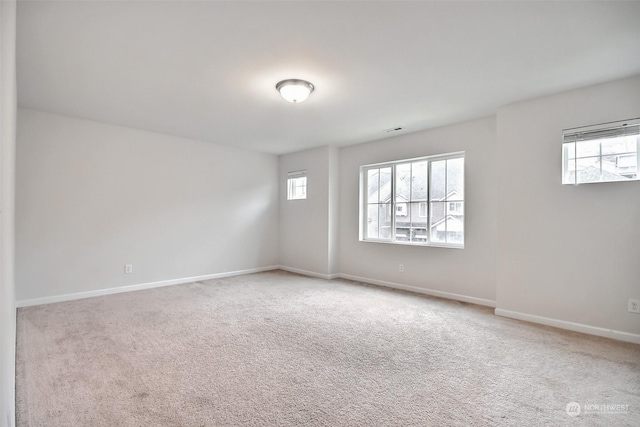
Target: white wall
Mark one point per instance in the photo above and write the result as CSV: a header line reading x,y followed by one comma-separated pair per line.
x,y
92,197
7,206
568,252
469,272
308,226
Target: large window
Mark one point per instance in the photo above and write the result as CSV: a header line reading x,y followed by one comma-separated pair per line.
x,y
415,201
601,153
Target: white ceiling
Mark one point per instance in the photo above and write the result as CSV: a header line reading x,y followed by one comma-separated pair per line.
x,y
207,70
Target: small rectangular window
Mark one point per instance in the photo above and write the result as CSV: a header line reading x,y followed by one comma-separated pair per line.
x,y
297,185
601,153
414,201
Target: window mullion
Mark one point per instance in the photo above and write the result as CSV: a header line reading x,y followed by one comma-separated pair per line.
x,y
365,213
446,202
393,203
409,203
575,162
638,157
428,210
379,201
600,159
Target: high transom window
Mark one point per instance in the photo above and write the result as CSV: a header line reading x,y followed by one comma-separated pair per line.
x,y
601,153
297,185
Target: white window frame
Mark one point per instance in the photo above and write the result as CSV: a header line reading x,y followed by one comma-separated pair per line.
x,y
293,178
572,138
363,202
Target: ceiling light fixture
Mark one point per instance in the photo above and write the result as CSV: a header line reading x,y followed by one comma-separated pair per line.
x,y
294,90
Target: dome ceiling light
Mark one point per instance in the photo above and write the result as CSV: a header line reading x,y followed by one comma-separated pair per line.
x,y
294,90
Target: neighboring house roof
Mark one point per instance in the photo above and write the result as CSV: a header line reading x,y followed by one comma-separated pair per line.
x,y
449,223
402,199
402,187
419,196
419,190
592,173
450,196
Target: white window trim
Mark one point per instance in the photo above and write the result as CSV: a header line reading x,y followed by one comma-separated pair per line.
x,y
392,164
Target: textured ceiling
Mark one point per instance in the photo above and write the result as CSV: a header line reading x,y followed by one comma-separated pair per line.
x,y
207,70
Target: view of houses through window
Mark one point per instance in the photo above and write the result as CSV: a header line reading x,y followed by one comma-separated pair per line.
x,y
425,195
601,153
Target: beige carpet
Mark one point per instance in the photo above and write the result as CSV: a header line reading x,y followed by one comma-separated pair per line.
x,y
278,349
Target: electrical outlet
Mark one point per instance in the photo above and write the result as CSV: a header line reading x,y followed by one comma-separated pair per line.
x,y
128,269
401,268
634,305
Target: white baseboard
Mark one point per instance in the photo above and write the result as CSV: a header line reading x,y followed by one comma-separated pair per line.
x,y
571,326
432,292
129,288
308,273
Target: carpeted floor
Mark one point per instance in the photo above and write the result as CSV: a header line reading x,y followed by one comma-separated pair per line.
x,y
278,349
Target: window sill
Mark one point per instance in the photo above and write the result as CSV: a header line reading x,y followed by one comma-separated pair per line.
x,y
427,245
